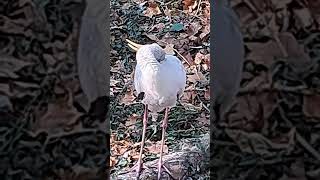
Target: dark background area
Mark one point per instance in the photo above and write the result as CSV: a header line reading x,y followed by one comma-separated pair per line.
x,y
48,130
272,130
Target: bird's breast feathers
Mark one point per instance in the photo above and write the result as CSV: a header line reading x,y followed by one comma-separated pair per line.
x,y
161,83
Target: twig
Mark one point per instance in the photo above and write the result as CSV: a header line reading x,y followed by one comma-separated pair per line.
x,y
306,145
198,8
300,139
182,57
205,107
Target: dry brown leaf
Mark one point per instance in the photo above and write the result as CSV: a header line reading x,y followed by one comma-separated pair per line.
x,y
113,161
127,98
49,59
152,10
297,171
136,156
169,49
188,57
132,120
9,65
250,114
271,50
157,27
199,58
311,104
198,76
154,148
191,107
59,115
304,17
259,82
280,4
203,121
193,28
188,4
205,31
188,96
257,143
118,148
207,94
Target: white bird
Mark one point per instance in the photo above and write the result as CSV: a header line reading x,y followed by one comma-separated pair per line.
x,y
228,57
161,79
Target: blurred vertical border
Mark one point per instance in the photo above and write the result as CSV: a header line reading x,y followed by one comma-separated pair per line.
x,y
54,89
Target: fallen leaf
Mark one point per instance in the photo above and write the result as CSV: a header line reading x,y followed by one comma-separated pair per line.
x,y
188,96
198,76
304,17
152,10
258,144
127,98
203,121
188,3
189,58
199,58
10,65
191,107
311,104
207,94
59,115
113,161
154,148
193,28
169,49
132,120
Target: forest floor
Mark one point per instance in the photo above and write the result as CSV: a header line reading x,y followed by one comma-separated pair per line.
x,y
180,25
272,131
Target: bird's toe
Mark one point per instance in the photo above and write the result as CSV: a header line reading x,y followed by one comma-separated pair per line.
x,y
161,168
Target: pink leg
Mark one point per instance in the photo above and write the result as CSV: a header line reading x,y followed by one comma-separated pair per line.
x,y
137,167
164,128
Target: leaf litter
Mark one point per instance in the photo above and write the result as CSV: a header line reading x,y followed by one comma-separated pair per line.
x,y
46,130
271,131
182,29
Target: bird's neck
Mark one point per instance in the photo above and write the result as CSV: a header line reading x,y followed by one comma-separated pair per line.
x,y
149,62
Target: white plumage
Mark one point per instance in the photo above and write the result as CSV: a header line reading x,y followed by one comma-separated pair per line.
x,y
161,77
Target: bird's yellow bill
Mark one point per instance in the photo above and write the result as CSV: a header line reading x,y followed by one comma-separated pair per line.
x,y
133,45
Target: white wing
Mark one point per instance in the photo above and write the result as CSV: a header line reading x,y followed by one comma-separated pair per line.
x,y
162,83
172,77
137,79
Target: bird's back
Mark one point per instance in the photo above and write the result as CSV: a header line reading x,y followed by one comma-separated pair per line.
x,y
161,82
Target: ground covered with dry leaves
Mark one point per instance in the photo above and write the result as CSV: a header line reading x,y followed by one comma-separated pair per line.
x,y
45,133
182,28
272,131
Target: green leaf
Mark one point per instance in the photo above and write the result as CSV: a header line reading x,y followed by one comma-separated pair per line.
x,y
177,27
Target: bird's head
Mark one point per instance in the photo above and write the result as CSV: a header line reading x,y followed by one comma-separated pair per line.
x,y
148,51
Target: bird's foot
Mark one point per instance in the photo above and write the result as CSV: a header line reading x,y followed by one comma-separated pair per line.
x,y
137,168
162,167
